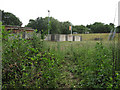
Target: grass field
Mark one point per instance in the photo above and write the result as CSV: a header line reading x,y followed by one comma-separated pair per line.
x,y
79,58
76,56
91,37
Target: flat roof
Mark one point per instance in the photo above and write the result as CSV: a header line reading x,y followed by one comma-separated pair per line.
x,y
18,27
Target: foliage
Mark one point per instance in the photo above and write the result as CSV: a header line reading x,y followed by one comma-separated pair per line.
x,y
10,19
118,29
25,64
56,27
99,27
42,64
91,66
80,29
97,71
42,24
39,24
64,27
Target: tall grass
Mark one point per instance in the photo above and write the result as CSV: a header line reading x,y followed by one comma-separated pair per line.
x,y
43,64
92,62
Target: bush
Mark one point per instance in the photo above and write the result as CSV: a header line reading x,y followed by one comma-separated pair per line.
x,y
25,64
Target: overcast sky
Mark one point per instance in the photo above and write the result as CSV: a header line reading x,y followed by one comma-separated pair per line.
x,y
76,11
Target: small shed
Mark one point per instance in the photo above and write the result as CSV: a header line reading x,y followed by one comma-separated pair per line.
x,y
17,29
24,32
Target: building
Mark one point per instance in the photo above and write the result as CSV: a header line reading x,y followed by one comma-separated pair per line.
x,y
24,32
17,29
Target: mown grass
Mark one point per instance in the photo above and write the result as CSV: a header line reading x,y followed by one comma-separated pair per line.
x,y
92,36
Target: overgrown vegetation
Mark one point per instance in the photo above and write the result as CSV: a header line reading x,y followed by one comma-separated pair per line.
x,y
36,63
25,64
87,64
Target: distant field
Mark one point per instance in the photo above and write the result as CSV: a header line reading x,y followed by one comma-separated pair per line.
x,y
91,37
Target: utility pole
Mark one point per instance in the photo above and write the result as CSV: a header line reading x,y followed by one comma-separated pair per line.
x,y
48,23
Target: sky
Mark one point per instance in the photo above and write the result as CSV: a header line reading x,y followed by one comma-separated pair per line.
x,y
78,12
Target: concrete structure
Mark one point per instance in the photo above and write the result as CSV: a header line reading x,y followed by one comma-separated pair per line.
x,y
69,37
48,37
76,38
27,33
63,37
56,37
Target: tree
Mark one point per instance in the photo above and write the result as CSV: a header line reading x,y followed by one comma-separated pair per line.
x,y
39,23
118,29
55,26
112,25
10,19
99,27
64,26
80,29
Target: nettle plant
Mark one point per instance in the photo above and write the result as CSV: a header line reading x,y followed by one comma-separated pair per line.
x,y
25,64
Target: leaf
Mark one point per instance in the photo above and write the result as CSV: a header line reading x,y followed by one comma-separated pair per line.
x,y
32,58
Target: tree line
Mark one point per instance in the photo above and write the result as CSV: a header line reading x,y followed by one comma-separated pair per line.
x,y
55,26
